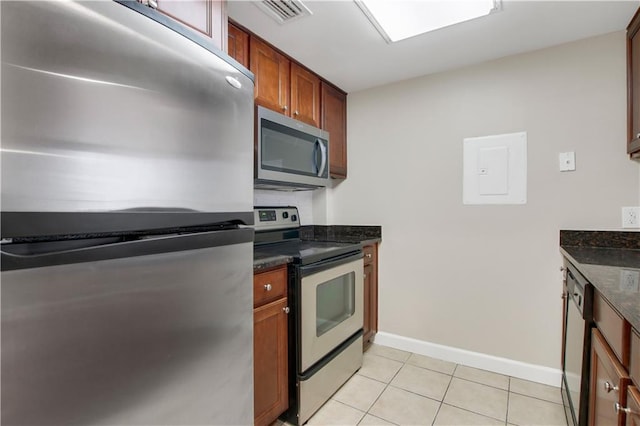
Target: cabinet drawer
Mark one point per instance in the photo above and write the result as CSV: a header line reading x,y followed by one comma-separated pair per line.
x,y
269,286
634,361
608,383
613,327
633,404
369,254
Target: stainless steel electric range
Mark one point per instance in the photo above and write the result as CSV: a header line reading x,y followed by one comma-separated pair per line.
x,y
326,298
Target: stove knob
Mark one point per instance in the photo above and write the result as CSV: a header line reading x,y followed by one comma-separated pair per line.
x,y
294,218
285,215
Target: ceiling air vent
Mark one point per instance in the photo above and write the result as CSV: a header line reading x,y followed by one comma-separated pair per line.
x,y
284,10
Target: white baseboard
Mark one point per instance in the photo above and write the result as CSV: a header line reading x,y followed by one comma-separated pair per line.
x,y
522,370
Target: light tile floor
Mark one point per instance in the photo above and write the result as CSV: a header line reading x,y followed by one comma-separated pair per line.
x,y
400,388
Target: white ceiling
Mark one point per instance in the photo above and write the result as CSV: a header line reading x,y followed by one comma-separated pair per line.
x,y
340,44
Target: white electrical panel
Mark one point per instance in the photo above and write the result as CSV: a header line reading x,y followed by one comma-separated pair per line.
x,y
495,169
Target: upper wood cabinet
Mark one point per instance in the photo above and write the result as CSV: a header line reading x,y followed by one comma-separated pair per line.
x,y
333,118
208,17
271,70
238,45
633,86
305,95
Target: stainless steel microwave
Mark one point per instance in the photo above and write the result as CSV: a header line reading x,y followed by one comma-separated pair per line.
x,y
290,154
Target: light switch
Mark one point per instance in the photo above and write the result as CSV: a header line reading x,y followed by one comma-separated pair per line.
x,y
567,161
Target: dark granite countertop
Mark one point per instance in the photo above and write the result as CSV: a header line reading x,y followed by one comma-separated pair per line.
x,y
265,259
342,233
610,261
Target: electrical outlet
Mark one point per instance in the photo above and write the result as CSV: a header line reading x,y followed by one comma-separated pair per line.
x,y
629,280
631,217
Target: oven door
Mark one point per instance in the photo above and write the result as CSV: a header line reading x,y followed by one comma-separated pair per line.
x,y
331,307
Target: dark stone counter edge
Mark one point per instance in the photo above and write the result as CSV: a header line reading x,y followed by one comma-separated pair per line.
x,y
263,264
342,233
601,239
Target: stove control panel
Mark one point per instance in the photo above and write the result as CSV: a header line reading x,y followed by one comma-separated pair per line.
x,y
275,218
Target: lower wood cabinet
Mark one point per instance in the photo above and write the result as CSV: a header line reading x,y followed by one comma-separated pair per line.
x,y
270,346
370,325
608,385
633,406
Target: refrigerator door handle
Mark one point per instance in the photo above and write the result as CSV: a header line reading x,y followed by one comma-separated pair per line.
x,y
26,255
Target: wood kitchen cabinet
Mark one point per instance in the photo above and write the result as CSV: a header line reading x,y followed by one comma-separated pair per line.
x,y
333,118
238,45
270,345
370,326
608,386
272,72
633,86
208,17
615,365
305,96
633,405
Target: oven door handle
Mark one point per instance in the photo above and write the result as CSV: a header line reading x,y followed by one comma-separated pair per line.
x,y
330,263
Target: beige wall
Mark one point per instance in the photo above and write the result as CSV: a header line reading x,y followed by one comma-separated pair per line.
x,y
486,278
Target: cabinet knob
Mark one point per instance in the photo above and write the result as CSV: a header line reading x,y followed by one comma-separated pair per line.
x,y
638,136
296,113
618,408
608,387
369,255
284,108
364,276
286,309
267,287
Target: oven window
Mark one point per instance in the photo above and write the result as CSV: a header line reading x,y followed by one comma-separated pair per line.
x,y
335,302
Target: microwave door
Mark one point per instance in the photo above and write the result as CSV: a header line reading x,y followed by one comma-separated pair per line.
x,y
291,153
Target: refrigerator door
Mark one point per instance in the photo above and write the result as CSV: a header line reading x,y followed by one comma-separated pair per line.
x,y
160,335
107,110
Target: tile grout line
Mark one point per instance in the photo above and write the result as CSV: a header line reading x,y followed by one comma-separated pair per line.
x,y
444,395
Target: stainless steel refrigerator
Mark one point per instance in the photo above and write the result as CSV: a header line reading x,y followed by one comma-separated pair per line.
x,y
126,166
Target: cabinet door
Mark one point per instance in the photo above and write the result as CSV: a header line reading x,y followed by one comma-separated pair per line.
x,y
271,395
271,71
334,120
305,96
633,83
238,45
608,384
633,406
206,16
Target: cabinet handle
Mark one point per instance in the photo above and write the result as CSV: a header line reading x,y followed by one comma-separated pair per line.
x,y
618,408
286,309
284,108
609,388
267,287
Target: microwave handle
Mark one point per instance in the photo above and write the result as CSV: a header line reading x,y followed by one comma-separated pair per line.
x,y
323,152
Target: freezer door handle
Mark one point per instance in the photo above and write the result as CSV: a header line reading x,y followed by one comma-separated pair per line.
x,y
35,255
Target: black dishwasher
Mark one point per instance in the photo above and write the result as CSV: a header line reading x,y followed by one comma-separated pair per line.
x,y
576,348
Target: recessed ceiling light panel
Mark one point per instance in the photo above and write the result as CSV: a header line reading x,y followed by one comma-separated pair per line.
x,y
398,20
